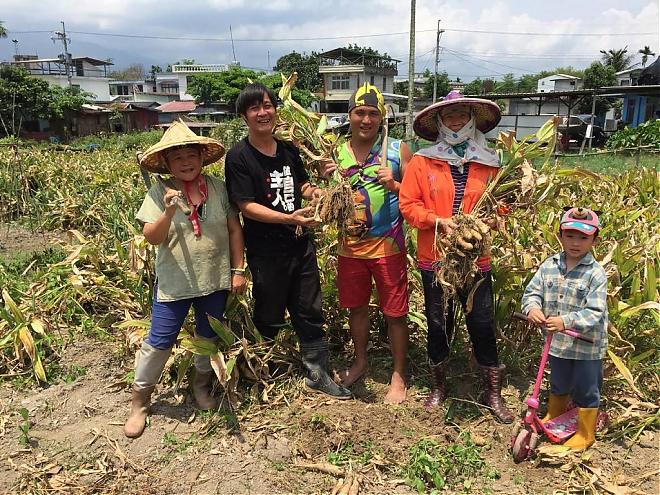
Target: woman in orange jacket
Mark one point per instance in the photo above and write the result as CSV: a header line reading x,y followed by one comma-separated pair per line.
x,y
440,180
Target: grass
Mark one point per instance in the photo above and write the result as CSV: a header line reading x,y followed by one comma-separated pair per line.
x,y
432,467
611,163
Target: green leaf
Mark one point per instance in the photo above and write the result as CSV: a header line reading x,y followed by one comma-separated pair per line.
x,y
222,331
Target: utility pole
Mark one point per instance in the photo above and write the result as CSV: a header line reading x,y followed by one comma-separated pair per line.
x,y
232,46
411,72
61,36
15,42
437,60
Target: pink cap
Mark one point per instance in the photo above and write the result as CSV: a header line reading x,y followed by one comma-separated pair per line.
x,y
581,219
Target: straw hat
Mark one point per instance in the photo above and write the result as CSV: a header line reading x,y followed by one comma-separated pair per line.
x,y
179,134
486,114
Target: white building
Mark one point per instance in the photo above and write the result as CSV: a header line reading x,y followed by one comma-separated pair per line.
x,y
344,70
558,82
176,82
86,73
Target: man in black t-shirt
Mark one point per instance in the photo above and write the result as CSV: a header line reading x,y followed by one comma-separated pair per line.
x,y
266,179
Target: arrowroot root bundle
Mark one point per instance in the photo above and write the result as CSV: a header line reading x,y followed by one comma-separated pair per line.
x,y
308,130
460,251
336,206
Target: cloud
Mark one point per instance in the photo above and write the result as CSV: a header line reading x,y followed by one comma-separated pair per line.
x,y
467,54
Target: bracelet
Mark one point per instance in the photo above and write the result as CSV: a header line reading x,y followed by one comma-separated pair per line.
x,y
238,271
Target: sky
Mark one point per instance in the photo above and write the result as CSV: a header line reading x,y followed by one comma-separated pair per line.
x,y
474,44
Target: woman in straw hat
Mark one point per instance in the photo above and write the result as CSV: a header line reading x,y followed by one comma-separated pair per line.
x,y
447,177
199,259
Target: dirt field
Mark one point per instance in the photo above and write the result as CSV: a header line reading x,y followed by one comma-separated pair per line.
x,y
74,442
77,446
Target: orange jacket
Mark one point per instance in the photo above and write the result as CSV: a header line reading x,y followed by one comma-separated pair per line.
x,y
427,192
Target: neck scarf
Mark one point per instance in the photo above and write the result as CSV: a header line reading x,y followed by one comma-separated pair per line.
x,y
204,192
457,148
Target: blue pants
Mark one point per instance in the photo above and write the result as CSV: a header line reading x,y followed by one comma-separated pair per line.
x,y
167,317
582,379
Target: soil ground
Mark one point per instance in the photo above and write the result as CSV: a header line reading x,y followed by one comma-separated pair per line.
x,y
75,444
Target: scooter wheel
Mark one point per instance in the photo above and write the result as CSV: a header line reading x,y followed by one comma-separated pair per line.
x,y
533,442
521,446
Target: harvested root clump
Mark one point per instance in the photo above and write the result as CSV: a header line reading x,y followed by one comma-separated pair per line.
x,y
460,252
336,206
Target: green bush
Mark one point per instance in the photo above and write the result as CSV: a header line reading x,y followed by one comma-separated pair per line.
x,y
647,134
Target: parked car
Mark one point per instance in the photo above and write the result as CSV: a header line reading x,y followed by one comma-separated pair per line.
x,y
574,132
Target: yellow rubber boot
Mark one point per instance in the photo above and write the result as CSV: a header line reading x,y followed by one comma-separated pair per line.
x,y
585,435
556,406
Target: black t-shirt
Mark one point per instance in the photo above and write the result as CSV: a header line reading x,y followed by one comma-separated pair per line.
x,y
273,182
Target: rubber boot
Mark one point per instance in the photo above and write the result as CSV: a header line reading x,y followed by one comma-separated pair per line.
x,y
492,395
556,406
137,419
315,360
438,392
202,384
151,362
585,435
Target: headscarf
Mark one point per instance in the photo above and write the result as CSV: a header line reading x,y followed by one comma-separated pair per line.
x,y
457,148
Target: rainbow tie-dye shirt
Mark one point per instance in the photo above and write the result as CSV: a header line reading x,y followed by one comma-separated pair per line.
x,y
377,208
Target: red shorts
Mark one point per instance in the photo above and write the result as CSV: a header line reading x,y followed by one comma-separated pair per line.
x,y
391,276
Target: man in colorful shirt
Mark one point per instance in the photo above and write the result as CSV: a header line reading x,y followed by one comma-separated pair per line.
x,y
375,246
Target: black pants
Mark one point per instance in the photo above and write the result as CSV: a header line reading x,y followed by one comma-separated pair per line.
x,y
288,282
480,321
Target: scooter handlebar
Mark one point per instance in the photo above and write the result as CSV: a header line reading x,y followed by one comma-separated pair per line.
x,y
568,331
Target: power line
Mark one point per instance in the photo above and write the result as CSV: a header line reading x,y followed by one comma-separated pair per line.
x,y
375,35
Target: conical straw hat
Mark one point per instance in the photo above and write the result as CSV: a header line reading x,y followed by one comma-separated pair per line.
x,y
179,134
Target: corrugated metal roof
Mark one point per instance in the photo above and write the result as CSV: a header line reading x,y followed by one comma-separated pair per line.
x,y
177,106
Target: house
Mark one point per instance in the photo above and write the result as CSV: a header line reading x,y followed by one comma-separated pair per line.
x,y
125,90
628,77
171,86
638,108
135,116
558,82
86,73
344,70
91,119
169,112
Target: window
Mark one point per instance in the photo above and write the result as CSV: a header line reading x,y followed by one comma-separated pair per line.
x,y
79,68
169,87
340,82
384,84
122,89
372,79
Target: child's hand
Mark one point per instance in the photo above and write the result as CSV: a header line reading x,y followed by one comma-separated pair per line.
x,y
555,324
536,316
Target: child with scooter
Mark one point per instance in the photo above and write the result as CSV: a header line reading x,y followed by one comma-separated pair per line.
x,y
568,294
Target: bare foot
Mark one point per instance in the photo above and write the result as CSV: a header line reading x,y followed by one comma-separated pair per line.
x,y
397,392
353,374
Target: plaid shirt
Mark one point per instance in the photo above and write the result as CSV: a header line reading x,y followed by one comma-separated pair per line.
x,y
579,297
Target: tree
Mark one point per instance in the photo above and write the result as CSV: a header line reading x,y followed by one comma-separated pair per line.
x,y
23,97
132,73
508,84
3,30
617,58
155,69
225,86
442,84
598,75
646,53
307,67
474,87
